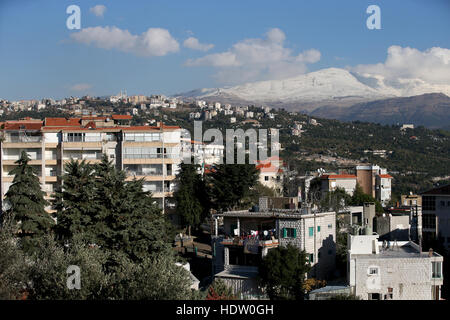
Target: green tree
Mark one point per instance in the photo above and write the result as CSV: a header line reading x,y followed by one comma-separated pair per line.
x,y
335,200
13,267
74,202
188,203
359,198
48,270
230,183
128,219
26,203
282,273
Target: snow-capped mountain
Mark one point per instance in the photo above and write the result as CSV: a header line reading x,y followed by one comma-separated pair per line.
x,y
323,87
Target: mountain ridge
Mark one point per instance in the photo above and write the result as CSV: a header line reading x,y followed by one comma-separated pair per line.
x,y
331,86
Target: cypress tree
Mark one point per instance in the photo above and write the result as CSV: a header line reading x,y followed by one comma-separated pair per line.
x,y
188,204
27,204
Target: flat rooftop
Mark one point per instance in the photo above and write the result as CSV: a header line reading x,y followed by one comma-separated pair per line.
x,y
280,213
400,251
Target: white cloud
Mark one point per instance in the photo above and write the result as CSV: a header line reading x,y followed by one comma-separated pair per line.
x,y
193,43
153,42
98,10
81,87
431,65
258,59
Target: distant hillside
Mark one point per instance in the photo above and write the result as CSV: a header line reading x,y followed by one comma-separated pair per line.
x,y
332,86
430,110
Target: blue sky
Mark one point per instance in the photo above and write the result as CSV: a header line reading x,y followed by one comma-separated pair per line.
x,y
40,57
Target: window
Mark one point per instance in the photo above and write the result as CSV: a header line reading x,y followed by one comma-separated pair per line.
x,y
141,136
74,137
429,221
289,233
374,296
442,203
330,226
311,258
429,203
436,270
311,231
266,178
373,270
318,228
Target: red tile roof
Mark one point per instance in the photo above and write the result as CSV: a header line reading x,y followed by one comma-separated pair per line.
x,y
22,126
121,117
51,124
386,176
62,122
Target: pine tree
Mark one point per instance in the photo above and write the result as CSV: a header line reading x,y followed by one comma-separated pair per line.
x,y
230,183
75,203
26,203
188,204
127,218
282,272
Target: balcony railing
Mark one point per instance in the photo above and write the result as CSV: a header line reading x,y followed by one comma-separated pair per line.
x,y
151,156
20,139
16,157
240,241
142,173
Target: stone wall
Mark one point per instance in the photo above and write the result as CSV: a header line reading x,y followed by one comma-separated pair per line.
x,y
409,278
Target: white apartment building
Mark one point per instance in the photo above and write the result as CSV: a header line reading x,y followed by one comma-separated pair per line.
x,y
392,270
151,153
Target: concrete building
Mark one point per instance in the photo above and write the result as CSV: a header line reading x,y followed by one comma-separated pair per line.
x,y
410,200
245,237
330,182
151,153
203,153
393,227
392,271
271,173
436,214
375,181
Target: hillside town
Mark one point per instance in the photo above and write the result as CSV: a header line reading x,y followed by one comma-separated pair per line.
x,y
356,240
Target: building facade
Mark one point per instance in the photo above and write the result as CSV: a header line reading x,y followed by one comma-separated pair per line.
x,y
375,181
151,153
436,214
240,240
392,270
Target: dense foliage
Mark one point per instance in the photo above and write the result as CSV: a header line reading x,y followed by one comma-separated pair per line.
x,y
282,273
26,204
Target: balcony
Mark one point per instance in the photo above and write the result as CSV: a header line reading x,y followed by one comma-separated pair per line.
x,y
242,241
151,156
23,138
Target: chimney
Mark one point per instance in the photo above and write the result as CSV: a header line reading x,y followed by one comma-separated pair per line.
x,y
430,252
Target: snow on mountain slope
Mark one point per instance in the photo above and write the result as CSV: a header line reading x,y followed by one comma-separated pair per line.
x,y
332,84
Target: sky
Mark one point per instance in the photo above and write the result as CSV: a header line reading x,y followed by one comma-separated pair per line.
x,y
168,47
